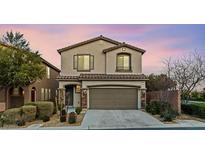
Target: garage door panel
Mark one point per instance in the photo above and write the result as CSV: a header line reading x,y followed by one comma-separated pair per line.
x,y
106,98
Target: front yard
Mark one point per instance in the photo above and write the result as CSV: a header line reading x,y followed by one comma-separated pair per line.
x,y
42,114
53,122
165,113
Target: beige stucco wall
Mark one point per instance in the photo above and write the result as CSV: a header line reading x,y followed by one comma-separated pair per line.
x,y
94,48
136,61
50,83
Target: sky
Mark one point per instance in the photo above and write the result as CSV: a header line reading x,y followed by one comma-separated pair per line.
x,y
159,41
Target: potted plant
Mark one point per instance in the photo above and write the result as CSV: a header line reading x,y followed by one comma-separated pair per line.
x,y
72,118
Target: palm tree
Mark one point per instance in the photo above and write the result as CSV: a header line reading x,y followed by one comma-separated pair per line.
x,y
16,40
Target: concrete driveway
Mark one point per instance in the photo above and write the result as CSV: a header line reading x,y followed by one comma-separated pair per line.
x,y
118,119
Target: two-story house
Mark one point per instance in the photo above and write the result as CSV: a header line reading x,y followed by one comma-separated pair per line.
x,y
41,90
102,73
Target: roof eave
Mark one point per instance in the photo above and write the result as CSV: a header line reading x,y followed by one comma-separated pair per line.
x,y
88,41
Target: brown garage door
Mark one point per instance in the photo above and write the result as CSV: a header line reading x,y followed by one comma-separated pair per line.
x,y
106,98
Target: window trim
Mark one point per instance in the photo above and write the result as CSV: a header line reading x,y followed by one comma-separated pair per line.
x,y
130,62
48,72
78,70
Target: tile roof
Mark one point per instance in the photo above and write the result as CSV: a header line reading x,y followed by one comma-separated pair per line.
x,y
89,41
99,77
124,45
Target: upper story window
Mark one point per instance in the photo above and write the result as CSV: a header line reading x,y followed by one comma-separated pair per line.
x,y
83,62
123,62
48,72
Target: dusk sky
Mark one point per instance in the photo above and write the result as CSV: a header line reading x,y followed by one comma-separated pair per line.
x,y
159,41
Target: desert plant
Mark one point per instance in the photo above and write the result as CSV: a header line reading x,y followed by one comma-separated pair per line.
x,y
168,114
20,122
29,112
72,117
63,116
44,109
78,110
46,118
30,103
3,119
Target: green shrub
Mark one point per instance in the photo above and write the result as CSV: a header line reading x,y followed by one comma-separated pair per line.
x,y
153,107
29,112
72,118
13,115
78,110
46,118
30,103
3,120
44,109
197,109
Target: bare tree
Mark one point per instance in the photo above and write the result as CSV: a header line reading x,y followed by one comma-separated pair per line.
x,y
188,71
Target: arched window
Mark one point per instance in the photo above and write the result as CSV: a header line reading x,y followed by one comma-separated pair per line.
x,y
123,62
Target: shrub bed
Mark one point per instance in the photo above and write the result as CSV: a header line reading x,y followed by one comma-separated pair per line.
x,y
153,107
197,109
44,109
29,112
12,115
162,108
78,110
46,118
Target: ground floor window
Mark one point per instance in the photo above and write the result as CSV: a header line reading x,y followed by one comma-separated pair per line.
x,y
45,94
42,94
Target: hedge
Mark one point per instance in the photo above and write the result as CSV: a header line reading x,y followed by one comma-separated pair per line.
x,y
36,103
12,115
197,109
29,112
44,109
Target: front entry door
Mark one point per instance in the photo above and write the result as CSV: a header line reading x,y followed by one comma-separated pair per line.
x,y
69,96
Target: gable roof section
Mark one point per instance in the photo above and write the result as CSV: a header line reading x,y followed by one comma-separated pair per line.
x,y
43,60
89,41
50,65
124,45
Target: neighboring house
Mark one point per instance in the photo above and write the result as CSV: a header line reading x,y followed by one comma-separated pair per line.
x,y
102,73
41,90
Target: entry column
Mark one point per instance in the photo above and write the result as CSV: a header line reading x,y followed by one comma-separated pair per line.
x,y
139,99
